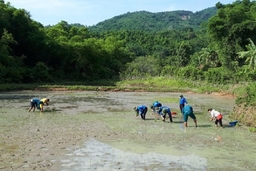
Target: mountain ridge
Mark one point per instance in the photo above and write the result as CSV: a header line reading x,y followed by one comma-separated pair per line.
x,y
155,21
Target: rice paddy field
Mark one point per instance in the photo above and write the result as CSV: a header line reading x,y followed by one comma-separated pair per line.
x,y
97,130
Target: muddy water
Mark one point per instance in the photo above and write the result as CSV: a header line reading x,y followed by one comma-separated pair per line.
x,y
97,131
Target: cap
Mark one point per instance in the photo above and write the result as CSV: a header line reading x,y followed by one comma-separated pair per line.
x,y
181,95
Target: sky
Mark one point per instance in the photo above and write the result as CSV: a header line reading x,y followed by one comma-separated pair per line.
x,y
91,12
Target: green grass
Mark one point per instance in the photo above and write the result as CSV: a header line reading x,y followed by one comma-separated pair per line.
x,y
252,129
153,84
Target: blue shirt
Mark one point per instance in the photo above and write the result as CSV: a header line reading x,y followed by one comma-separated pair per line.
x,y
36,102
141,109
183,100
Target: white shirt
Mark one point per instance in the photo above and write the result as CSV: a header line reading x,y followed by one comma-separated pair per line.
x,y
214,113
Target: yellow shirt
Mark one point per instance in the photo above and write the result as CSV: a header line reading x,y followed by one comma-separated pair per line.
x,y
45,101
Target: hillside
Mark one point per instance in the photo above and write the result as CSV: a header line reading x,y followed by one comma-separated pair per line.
x,y
160,21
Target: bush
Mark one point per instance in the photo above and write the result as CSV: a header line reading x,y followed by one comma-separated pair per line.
x,y
218,75
168,70
41,73
247,95
190,72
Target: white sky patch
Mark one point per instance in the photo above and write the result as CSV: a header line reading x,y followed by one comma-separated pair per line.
x,y
53,11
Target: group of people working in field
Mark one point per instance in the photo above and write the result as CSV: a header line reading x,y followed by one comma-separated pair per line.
x,y
37,103
157,109
186,110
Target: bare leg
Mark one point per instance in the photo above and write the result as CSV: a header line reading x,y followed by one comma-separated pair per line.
x,y
185,124
195,122
220,121
170,116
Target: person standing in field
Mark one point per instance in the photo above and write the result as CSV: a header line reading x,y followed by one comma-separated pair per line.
x,y
217,116
182,103
163,111
141,110
35,103
188,112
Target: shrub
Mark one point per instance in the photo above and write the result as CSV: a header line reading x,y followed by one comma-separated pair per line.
x,y
247,95
218,75
190,72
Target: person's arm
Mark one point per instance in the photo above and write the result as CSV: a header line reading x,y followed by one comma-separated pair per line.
x,y
140,112
137,114
41,107
212,116
46,102
185,101
159,112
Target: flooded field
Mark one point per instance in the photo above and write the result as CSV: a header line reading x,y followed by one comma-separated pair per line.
x,y
83,130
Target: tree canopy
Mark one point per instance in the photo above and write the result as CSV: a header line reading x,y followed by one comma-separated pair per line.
x,y
207,45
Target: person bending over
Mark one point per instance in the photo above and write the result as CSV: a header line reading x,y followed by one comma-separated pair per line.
x,y
188,112
44,101
164,111
154,106
217,116
35,103
141,110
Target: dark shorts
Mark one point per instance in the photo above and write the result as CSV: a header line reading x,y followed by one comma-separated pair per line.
x,y
186,115
181,107
145,111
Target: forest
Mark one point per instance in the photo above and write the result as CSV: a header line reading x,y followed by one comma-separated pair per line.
x,y
215,45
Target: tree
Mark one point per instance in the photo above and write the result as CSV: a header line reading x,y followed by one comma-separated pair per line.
x,y
250,55
233,24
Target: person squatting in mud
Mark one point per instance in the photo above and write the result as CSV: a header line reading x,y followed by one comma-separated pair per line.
x,y
141,110
217,116
163,112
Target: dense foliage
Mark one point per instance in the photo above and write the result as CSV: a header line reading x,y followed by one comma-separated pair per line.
x,y
214,45
33,53
155,22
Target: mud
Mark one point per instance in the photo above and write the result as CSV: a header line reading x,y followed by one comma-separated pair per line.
x,y
97,131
